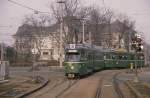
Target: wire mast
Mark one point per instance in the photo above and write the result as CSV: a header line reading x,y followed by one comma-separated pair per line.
x,y
61,33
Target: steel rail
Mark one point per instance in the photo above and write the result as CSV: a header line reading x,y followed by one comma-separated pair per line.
x,y
116,86
48,90
72,82
99,89
115,83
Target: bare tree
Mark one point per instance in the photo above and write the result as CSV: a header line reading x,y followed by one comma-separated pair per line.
x,y
38,29
73,14
99,19
98,22
41,28
125,27
109,14
69,9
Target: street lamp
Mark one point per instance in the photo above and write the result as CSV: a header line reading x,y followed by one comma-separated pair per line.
x,y
83,23
34,53
61,34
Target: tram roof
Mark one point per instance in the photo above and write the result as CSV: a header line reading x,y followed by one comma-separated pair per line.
x,y
86,46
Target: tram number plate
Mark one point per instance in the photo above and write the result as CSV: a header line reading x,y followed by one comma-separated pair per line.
x,y
71,75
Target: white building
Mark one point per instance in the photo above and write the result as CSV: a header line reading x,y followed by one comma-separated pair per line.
x,y
44,43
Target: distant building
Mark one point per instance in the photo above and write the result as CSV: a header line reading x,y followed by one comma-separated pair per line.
x,y
48,38
45,40
29,39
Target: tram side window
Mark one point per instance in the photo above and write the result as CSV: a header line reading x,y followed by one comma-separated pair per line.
x,y
113,57
100,56
96,57
90,57
132,57
107,56
126,57
83,55
122,57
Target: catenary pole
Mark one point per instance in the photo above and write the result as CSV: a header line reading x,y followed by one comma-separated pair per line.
x,y
61,35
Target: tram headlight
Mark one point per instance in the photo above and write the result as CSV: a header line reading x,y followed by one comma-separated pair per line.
x,y
117,62
72,67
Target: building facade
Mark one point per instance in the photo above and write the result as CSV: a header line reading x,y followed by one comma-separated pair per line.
x,y
29,40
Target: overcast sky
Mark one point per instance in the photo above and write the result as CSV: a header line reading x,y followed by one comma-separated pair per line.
x,y
11,15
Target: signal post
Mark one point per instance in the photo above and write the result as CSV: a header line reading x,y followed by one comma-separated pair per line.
x,y
137,45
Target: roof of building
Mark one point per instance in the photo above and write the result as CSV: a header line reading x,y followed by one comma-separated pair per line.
x,y
29,30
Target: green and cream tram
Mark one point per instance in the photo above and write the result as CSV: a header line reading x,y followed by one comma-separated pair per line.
x,y
82,59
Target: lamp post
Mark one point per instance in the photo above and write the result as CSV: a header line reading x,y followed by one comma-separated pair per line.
x,y
83,28
83,37
90,38
61,35
34,52
129,41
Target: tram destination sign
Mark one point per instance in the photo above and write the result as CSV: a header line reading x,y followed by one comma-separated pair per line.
x,y
72,51
72,46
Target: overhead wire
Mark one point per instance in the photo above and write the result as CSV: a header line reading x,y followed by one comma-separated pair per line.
x,y
27,7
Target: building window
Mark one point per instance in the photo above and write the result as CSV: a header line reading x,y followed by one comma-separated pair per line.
x,y
45,53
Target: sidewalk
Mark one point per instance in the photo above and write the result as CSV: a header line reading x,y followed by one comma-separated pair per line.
x,y
3,81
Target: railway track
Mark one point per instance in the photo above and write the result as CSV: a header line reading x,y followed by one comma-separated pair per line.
x,y
98,92
109,87
72,82
116,86
54,89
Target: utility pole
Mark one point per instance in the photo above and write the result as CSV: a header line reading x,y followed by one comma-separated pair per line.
x,y
2,65
83,36
61,35
129,41
136,72
2,52
34,52
90,38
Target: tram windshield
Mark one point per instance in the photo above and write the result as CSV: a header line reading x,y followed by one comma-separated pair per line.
x,y
72,57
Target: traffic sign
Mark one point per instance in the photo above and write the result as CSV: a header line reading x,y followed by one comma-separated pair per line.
x,y
34,51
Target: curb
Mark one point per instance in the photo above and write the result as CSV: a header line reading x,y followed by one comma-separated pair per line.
x,y
3,81
33,90
136,93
